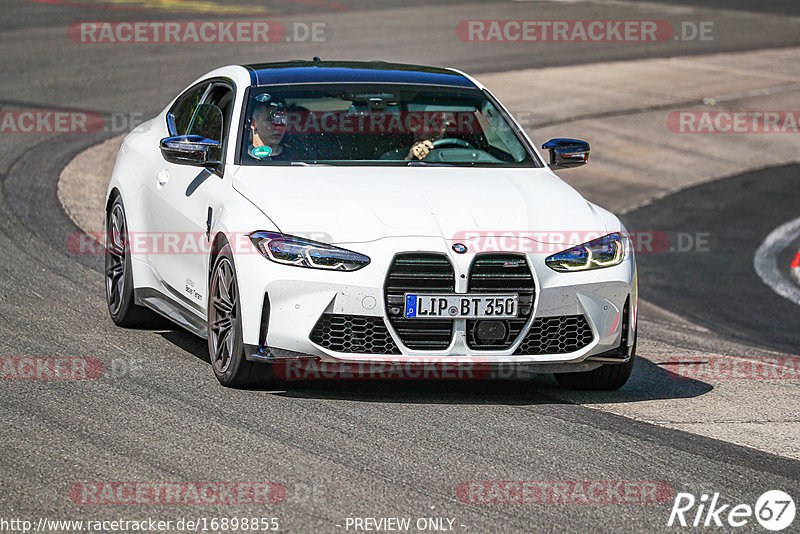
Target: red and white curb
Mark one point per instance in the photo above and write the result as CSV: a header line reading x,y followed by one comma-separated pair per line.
x,y
766,264
796,267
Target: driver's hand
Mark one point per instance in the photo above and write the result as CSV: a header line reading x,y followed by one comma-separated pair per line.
x,y
420,150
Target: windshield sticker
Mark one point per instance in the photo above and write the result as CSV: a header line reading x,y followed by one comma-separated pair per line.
x,y
262,151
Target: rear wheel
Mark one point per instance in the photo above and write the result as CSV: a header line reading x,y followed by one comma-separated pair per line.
x,y
607,377
225,345
118,272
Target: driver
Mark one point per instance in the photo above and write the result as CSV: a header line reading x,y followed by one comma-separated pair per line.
x,y
267,129
420,149
423,140
422,146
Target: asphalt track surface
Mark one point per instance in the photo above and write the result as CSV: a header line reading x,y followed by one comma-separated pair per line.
x,y
732,301
368,449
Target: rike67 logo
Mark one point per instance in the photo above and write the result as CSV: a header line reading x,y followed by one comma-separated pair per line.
x,y
774,510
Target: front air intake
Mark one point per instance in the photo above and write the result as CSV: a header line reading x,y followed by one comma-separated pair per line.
x,y
501,274
556,335
353,334
419,272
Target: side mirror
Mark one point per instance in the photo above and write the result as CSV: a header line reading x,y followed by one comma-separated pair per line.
x,y
201,146
194,150
566,153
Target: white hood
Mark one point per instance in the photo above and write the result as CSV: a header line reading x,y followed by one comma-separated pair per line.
x,y
358,204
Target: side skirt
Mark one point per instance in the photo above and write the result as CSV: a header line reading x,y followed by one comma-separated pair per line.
x,y
172,310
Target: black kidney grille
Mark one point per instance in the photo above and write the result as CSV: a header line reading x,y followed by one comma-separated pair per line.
x,y
355,334
419,272
556,335
502,273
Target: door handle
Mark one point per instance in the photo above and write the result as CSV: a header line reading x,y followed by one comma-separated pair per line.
x,y
162,178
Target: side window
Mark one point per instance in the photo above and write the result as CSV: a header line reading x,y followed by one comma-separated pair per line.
x,y
207,122
221,96
180,115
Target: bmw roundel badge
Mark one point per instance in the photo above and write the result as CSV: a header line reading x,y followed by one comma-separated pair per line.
x,y
460,248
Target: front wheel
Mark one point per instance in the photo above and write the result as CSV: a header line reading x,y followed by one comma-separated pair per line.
x,y
118,271
607,377
225,345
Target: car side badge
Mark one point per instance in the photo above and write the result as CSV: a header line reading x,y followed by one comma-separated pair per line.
x,y
262,151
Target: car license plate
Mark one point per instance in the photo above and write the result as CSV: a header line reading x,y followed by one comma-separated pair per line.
x,y
420,306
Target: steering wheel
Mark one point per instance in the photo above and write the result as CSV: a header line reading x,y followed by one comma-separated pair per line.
x,y
450,141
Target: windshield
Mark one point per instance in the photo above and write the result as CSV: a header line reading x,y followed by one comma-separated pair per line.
x,y
356,124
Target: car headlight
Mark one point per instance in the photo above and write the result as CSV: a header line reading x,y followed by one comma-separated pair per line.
x,y
605,251
299,252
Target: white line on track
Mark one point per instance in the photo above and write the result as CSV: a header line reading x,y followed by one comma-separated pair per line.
x,y
766,263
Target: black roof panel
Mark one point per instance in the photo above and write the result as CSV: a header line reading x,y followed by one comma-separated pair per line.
x,y
291,72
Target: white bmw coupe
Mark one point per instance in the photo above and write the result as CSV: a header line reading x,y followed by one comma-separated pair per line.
x,y
365,212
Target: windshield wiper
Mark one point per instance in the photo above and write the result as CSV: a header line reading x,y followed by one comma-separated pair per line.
x,y
418,163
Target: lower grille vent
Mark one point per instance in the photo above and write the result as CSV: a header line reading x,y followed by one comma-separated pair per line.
x,y
354,334
556,335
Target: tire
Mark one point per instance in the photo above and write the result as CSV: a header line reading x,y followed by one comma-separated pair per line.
x,y
225,343
118,272
607,377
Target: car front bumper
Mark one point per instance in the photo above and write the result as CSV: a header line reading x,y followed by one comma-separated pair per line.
x,y
286,324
